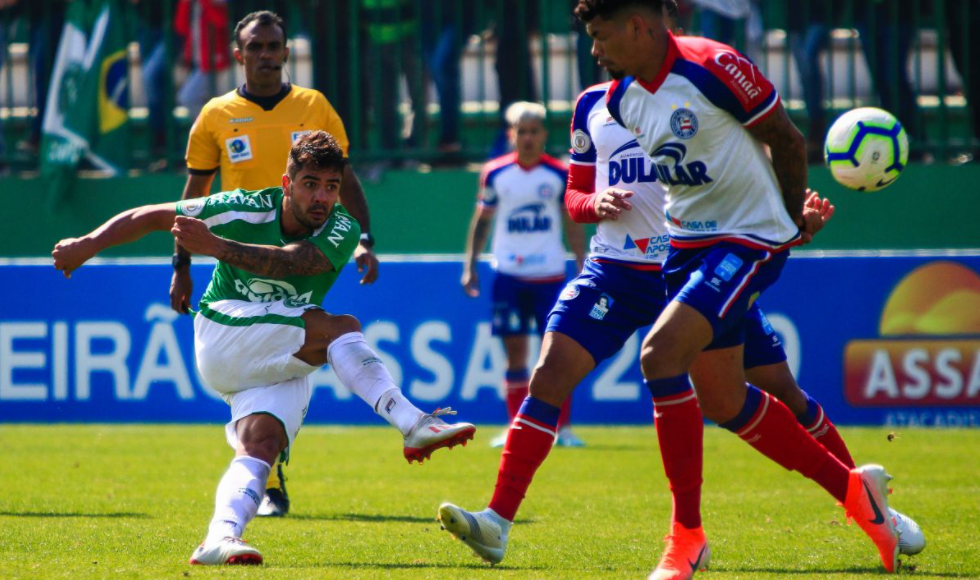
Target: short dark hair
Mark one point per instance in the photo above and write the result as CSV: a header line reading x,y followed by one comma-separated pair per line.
x,y
264,18
317,150
589,9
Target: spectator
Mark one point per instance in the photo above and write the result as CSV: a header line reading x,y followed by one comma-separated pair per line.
x,y
203,24
6,10
720,20
808,36
391,51
45,21
153,61
963,19
515,21
887,32
445,25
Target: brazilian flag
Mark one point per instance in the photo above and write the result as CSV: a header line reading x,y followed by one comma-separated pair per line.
x,y
86,116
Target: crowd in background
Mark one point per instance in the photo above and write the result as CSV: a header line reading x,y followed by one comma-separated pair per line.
x,y
419,45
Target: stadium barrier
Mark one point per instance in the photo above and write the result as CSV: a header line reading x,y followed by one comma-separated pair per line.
x,y
362,52
878,338
924,209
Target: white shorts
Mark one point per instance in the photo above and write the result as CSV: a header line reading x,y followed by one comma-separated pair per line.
x,y
287,402
242,345
245,350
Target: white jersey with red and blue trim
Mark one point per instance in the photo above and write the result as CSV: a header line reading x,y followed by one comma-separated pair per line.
x,y
639,235
691,119
529,204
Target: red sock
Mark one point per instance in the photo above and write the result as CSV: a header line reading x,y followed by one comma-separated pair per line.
x,y
565,417
529,441
680,432
816,423
770,427
516,392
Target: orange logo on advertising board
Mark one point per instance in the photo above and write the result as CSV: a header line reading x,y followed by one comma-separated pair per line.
x,y
929,350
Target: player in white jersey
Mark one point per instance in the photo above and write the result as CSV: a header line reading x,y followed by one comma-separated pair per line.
x,y
619,291
521,195
703,113
260,332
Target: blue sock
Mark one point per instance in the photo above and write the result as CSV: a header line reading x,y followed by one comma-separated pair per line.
x,y
660,388
752,401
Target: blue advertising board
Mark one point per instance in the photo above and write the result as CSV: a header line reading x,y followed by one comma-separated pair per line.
x,y
876,339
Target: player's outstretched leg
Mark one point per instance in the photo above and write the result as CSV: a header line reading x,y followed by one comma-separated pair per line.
x,y
261,438
337,340
777,379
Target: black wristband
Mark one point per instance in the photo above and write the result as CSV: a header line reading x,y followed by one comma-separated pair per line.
x,y
180,260
367,239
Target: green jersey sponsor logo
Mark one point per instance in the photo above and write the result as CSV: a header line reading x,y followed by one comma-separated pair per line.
x,y
270,290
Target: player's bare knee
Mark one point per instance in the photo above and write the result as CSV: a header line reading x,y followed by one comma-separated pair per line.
x,y
657,361
261,436
324,328
342,324
547,385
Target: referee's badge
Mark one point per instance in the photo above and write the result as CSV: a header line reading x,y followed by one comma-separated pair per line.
x,y
297,134
239,148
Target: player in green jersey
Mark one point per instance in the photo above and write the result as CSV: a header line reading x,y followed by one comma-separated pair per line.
x,y
260,333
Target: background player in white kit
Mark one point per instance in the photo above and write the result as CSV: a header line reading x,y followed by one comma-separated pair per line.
x,y
620,291
524,191
258,350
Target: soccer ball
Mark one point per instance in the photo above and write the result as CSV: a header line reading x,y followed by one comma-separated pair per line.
x,y
866,149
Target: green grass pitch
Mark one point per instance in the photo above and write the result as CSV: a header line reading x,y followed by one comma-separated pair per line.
x,y
124,502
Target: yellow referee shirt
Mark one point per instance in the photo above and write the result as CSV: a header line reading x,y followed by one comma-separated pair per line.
x,y
249,137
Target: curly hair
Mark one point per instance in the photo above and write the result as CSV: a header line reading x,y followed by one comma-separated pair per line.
x,y
589,9
317,150
264,18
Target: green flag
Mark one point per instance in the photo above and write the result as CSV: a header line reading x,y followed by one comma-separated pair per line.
x,y
86,114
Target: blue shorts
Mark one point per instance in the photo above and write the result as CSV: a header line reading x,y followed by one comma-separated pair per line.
x,y
762,344
604,305
722,282
520,306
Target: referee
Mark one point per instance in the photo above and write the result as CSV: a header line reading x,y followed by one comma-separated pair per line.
x,y
247,134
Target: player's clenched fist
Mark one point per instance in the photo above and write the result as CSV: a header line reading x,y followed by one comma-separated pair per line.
x,y
70,253
194,235
611,202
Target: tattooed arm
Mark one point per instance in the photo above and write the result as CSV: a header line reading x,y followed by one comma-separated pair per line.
x,y
788,149
296,259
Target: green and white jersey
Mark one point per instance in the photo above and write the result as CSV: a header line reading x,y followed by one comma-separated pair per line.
x,y
253,217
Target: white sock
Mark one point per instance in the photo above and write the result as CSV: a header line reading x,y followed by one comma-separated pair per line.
x,y
398,410
361,371
238,497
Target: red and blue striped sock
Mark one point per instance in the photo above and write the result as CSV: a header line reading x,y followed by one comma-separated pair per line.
x,y
680,432
818,424
770,427
529,441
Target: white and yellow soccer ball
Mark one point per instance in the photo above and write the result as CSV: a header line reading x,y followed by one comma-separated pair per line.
x,y
866,149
